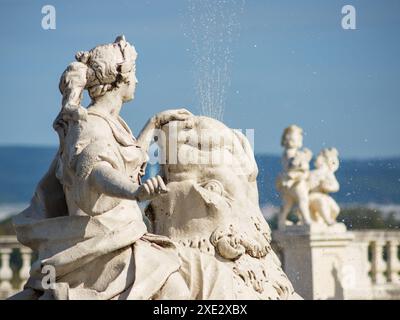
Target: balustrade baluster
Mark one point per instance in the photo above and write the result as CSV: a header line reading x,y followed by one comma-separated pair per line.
x,y
26,255
6,272
393,262
378,264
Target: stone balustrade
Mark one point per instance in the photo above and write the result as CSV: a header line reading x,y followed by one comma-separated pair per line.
x,y
382,257
376,252
13,276
344,265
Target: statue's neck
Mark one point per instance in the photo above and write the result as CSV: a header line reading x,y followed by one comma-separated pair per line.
x,y
109,105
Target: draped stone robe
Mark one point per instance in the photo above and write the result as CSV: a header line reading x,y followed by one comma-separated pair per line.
x,y
98,246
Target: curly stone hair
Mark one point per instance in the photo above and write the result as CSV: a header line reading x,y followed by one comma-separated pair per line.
x,y
99,70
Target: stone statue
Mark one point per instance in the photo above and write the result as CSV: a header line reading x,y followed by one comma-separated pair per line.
x,y
307,190
212,204
322,181
293,182
84,221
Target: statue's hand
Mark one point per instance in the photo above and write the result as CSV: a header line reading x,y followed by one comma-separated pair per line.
x,y
164,117
151,188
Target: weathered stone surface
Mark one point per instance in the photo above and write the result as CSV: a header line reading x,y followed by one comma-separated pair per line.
x,y
85,224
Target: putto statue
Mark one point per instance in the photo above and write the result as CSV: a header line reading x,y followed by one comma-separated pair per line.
x,y
293,182
307,191
88,231
322,181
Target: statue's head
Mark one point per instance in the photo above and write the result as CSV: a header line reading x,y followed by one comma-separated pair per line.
x,y
301,161
292,137
106,69
201,147
213,198
328,158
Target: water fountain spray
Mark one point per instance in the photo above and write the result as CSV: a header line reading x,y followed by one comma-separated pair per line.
x,y
213,27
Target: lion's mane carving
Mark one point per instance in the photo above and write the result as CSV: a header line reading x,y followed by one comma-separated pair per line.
x,y
212,203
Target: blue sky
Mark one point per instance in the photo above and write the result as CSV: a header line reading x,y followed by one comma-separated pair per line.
x,y
293,63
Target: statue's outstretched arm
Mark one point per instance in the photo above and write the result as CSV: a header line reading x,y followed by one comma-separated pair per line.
x,y
147,133
105,179
157,122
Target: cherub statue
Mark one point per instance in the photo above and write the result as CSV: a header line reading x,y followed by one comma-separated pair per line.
x,y
322,181
307,190
293,182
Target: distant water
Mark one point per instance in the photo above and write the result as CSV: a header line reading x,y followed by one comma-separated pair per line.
x,y
20,170
269,211
368,182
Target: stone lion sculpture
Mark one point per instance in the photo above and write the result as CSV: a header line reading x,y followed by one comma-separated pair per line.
x,y
212,203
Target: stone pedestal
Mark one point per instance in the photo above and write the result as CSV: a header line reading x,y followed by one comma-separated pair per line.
x,y
318,261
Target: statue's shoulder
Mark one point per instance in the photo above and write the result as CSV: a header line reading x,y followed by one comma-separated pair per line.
x,y
96,143
97,150
97,127
88,134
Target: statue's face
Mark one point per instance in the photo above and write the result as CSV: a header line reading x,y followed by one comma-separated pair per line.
x,y
128,89
331,162
294,139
